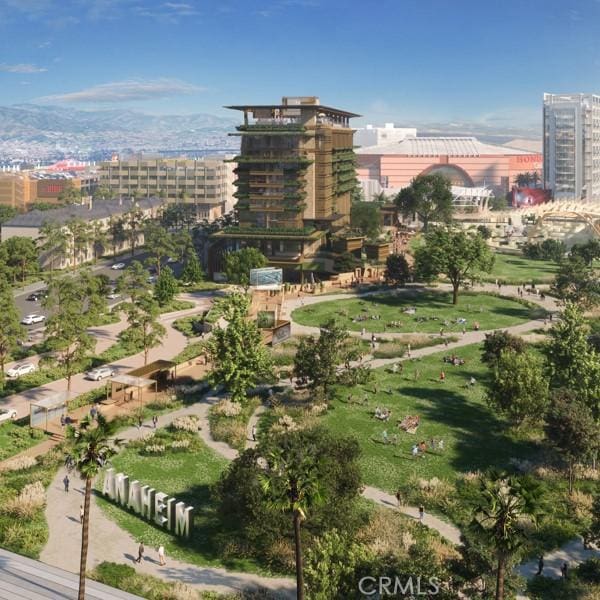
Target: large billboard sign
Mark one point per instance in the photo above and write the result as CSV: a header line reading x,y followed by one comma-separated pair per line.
x,y
266,278
522,197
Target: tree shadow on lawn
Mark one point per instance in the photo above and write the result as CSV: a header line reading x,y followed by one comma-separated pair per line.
x,y
479,440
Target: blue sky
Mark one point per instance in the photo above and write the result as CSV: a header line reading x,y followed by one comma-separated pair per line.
x,y
441,61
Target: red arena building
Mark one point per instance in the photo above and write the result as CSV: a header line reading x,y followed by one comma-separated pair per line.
x,y
466,161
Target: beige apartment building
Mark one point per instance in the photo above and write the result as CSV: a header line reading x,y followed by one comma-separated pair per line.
x,y
205,182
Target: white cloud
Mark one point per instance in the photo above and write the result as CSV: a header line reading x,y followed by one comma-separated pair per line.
x,y
21,68
126,91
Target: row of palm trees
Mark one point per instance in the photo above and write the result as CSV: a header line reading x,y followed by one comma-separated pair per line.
x,y
528,179
74,239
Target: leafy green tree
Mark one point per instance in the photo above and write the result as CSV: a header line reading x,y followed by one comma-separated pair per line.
x,y
589,251
22,256
90,447
507,507
95,288
134,281
70,194
429,197
498,341
459,255
498,203
573,363
102,194
144,331
192,270
345,262
366,218
239,263
159,243
54,242
11,330
240,359
397,269
330,564
66,329
7,213
553,249
249,518
292,485
519,388
572,430
484,231
317,359
184,244
576,281
166,287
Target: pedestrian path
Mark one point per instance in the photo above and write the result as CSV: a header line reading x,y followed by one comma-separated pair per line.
x,y
108,542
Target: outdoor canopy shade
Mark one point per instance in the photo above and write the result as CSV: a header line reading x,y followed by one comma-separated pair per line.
x,y
49,408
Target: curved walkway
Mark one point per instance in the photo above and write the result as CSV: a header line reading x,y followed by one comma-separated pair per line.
x,y
111,543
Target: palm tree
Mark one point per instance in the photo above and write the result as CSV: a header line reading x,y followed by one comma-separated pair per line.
x,y
55,241
507,505
90,448
116,231
99,238
80,234
535,178
291,483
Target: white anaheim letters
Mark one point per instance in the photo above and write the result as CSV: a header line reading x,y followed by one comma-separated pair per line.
x,y
151,505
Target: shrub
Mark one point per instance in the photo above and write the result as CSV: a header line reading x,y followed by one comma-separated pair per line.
x,y
186,423
31,498
180,444
233,433
154,449
20,463
227,408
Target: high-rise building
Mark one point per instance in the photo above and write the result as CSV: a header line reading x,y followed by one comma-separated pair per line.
x,y
206,182
572,145
295,175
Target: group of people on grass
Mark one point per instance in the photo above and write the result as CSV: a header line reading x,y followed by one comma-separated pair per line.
x,y
419,450
454,360
383,414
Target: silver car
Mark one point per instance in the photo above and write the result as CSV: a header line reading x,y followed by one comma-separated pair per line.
x,y
7,414
20,369
100,373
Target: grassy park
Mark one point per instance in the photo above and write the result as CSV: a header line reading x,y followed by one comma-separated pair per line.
x,y
516,269
187,474
452,411
432,310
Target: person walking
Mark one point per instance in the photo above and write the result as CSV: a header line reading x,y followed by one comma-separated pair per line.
x,y
564,570
442,376
154,421
81,513
540,565
140,421
398,497
140,552
161,556
421,513
253,433
66,482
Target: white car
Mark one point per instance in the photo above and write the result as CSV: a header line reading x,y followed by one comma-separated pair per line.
x,y
31,319
152,279
171,260
21,369
113,295
118,266
7,414
100,373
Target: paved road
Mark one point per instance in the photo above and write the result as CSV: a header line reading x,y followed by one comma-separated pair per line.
x,y
173,343
22,578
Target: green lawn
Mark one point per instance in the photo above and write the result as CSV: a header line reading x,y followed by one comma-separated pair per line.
x,y
474,438
17,437
433,307
520,270
188,476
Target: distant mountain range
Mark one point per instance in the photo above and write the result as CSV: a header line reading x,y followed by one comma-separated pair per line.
x,y
34,129
31,131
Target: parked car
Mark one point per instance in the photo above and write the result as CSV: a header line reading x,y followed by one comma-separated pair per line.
x,y
100,373
20,369
32,319
152,279
113,295
36,296
171,260
7,414
118,266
